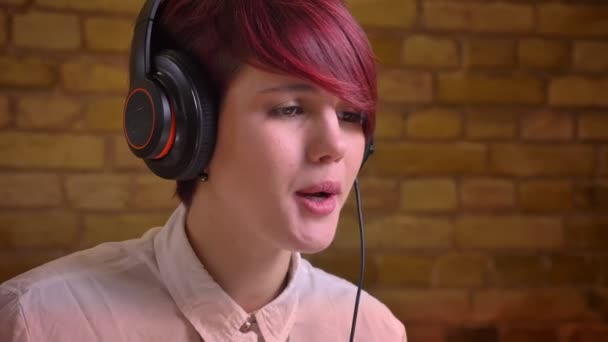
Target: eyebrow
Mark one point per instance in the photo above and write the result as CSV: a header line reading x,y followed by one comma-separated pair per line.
x,y
300,87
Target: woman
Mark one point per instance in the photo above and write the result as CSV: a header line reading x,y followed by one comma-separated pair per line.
x,y
294,87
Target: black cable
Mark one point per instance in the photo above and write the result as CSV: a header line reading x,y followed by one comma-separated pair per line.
x,y
362,237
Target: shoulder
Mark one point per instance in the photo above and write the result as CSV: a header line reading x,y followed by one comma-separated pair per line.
x,y
100,267
375,320
98,261
12,323
65,291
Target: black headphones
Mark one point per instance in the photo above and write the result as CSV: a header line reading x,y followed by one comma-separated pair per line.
x,y
170,114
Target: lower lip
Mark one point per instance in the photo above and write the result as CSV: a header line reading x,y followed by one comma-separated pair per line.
x,y
320,207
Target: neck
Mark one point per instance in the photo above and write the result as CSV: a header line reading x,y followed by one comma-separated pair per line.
x,y
250,272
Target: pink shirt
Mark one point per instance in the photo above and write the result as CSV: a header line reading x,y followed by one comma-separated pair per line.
x,y
155,289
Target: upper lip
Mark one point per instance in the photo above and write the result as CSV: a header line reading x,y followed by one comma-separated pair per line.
x,y
329,187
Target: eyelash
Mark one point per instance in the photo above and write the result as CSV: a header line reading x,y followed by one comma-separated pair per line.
x,y
353,117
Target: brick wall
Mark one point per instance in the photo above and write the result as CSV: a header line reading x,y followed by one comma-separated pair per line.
x,y
487,200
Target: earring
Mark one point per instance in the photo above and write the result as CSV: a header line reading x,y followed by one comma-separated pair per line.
x,y
204,177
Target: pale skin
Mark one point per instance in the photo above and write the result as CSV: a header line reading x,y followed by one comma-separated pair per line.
x,y
276,135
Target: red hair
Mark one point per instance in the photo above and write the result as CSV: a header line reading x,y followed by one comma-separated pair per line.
x,y
316,40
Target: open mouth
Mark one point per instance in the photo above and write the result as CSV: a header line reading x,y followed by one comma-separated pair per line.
x,y
319,199
316,196
318,203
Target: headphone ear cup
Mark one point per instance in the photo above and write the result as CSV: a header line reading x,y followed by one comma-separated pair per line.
x,y
195,115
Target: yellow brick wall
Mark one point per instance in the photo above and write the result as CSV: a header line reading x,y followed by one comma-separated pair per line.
x,y
487,200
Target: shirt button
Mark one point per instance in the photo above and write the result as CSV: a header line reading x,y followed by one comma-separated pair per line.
x,y
246,327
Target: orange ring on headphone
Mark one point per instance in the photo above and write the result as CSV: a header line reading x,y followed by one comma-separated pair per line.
x,y
171,139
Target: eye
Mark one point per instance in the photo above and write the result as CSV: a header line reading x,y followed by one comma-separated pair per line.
x,y
288,111
352,117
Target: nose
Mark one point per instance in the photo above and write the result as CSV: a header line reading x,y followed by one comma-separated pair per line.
x,y
327,142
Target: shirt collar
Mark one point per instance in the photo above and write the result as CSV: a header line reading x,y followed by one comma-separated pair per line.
x,y
204,303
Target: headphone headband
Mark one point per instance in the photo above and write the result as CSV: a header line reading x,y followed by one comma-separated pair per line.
x,y
142,40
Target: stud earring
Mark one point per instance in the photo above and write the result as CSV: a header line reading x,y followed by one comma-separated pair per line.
x,y
204,177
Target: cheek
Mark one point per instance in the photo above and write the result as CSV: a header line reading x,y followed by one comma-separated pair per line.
x,y
279,154
356,150
267,154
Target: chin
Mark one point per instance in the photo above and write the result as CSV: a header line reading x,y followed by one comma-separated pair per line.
x,y
313,238
312,249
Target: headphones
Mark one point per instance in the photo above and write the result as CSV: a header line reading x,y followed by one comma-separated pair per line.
x,y
170,114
